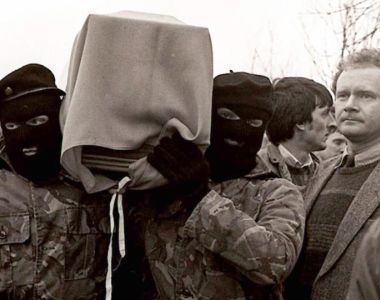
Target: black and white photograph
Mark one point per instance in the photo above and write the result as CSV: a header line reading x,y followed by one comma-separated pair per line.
x,y
190,150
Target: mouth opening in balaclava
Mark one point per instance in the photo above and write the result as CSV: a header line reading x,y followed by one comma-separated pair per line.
x,y
235,142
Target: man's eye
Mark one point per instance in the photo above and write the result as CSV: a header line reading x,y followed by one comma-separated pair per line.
x,y
11,126
325,112
339,142
331,128
366,95
37,120
342,96
228,114
255,122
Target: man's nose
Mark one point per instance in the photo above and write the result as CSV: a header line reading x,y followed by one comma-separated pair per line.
x,y
351,104
331,122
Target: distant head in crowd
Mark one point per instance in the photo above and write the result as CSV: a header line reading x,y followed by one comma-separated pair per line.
x,y
336,143
29,110
357,107
302,113
242,106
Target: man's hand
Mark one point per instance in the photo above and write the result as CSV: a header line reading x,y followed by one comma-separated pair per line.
x,y
184,165
180,161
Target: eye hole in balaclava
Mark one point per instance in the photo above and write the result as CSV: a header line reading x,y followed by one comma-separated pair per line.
x,y
242,107
32,135
238,124
236,137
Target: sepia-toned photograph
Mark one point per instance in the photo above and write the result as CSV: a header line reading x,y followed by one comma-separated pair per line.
x,y
190,150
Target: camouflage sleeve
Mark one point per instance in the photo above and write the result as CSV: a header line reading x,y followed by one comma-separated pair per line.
x,y
261,237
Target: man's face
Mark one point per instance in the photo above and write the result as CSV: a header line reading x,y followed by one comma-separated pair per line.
x,y
335,145
316,131
357,107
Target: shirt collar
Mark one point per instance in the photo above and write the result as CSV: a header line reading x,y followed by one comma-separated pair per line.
x,y
366,157
343,158
291,160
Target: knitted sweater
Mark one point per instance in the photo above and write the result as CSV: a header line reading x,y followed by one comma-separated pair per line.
x,y
323,222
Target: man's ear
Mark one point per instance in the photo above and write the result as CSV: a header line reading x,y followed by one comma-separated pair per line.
x,y
300,127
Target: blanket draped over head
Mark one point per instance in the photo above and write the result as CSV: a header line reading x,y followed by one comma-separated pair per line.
x,y
133,78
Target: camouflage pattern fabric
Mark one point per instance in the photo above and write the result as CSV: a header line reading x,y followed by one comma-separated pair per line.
x,y
240,242
53,240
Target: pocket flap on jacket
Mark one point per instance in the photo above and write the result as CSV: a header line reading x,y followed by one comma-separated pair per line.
x,y
88,219
14,229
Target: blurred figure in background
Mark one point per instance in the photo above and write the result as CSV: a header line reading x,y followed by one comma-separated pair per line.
x,y
336,143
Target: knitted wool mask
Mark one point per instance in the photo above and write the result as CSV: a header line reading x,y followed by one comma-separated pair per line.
x,y
235,142
242,106
32,134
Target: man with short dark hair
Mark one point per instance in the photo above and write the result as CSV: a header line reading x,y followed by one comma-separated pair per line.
x,y
298,127
53,236
342,199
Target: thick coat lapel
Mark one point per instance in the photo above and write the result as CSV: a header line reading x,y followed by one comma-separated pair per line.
x,y
361,208
314,187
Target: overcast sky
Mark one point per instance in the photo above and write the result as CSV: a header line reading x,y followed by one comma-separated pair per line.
x,y
266,37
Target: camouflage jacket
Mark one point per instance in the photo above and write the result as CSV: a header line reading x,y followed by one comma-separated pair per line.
x,y
53,240
240,242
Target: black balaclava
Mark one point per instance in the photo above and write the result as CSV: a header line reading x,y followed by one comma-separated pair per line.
x,y
32,134
29,117
236,140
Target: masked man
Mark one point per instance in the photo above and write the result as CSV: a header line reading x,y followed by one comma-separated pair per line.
x,y
53,237
243,238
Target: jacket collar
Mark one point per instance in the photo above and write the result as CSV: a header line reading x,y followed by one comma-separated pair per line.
x,y
272,158
291,160
261,170
318,181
